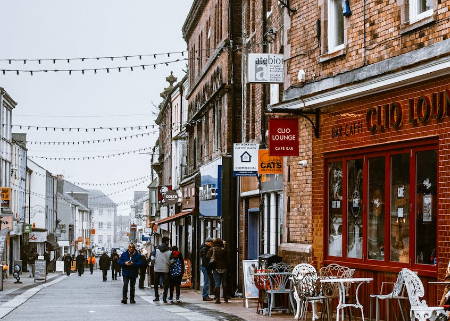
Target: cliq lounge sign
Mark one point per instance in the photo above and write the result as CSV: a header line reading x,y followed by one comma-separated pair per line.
x,y
420,110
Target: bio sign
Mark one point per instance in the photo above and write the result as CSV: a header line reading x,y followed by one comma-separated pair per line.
x,y
265,68
283,137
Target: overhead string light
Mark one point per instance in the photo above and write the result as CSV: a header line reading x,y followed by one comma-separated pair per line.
x,y
86,59
114,183
93,141
82,129
95,156
84,71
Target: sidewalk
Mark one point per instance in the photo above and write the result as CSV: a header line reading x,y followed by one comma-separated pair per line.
x,y
10,288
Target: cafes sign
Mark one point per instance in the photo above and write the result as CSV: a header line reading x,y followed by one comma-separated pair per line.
x,y
283,137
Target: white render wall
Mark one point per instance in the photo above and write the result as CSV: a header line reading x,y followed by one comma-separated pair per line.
x,y
37,195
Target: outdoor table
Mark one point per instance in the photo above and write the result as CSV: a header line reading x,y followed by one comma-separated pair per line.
x,y
342,293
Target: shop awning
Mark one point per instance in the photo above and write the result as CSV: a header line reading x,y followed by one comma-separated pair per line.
x,y
173,217
51,241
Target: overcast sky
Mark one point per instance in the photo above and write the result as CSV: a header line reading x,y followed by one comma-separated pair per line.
x,y
86,28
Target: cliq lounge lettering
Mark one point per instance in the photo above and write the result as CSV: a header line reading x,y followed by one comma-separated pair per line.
x,y
420,110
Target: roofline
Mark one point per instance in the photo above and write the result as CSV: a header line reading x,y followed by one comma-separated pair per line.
x,y
194,12
7,97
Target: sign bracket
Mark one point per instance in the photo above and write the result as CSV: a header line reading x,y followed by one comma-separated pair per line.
x,y
312,116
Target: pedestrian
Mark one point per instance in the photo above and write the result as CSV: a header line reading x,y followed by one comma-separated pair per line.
x,y
130,261
105,264
143,269
32,257
115,268
176,272
91,262
161,258
47,261
205,268
80,263
219,263
67,263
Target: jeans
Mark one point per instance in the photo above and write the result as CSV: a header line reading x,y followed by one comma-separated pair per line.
x,y
162,280
132,281
221,279
206,284
31,269
105,275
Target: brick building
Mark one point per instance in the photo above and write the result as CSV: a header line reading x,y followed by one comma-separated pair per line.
x,y
212,30
375,179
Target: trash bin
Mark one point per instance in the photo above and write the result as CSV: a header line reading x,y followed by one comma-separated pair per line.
x,y
266,260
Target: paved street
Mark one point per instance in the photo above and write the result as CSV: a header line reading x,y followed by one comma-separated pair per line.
x,y
88,298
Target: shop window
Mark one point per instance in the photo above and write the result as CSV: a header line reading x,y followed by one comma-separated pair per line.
x,y
382,206
335,209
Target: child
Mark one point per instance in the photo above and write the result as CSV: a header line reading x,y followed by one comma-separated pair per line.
x,y
176,271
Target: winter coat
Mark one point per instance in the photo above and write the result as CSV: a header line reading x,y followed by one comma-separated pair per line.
x,y
131,270
105,262
162,258
80,261
203,253
91,260
220,257
143,268
32,258
115,261
67,263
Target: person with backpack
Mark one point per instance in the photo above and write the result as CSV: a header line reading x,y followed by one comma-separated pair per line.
x,y
176,272
161,259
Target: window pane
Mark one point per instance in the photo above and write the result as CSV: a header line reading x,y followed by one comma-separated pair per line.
x,y
354,208
426,201
400,208
375,226
335,24
335,209
424,5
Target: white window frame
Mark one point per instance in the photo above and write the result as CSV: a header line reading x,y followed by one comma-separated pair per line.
x,y
332,32
414,16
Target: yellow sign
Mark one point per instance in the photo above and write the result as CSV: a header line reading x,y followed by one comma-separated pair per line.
x,y
269,164
6,196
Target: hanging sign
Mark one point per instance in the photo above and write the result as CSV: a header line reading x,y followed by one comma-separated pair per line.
x,y
265,68
6,196
283,137
37,237
268,164
170,197
245,159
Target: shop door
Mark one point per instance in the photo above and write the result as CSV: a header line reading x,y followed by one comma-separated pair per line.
x,y
253,233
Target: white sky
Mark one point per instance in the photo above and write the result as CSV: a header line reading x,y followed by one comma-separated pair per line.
x,y
84,28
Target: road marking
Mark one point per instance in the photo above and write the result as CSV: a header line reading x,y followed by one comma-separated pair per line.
x,y
14,303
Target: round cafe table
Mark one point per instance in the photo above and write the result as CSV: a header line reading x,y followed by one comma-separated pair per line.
x,y
341,283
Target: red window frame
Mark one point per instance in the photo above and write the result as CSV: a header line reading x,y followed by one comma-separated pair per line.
x,y
386,150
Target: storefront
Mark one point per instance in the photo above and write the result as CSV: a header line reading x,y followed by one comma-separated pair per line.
x,y
380,191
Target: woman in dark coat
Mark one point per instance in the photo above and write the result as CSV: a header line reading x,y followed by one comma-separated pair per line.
x,y
105,264
80,264
115,264
218,257
176,272
67,263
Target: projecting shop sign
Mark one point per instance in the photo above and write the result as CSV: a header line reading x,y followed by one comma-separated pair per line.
x,y
245,159
265,68
283,137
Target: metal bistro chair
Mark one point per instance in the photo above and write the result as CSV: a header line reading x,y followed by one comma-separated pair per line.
x,y
279,280
419,308
307,289
396,294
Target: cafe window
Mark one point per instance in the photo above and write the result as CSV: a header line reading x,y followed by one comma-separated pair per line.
x,y
382,205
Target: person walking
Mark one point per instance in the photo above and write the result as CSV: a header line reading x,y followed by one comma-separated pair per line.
x,y
91,262
115,267
32,257
67,263
47,261
205,268
105,264
176,272
143,269
161,258
218,259
130,261
80,263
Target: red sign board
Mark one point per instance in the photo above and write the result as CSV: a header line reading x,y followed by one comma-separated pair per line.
x,y
283,137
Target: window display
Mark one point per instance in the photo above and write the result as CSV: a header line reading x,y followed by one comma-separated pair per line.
x,y
354,208
335,209
375,224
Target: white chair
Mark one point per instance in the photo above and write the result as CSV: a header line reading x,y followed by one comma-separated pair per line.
x,y
396,294
307,290
419,308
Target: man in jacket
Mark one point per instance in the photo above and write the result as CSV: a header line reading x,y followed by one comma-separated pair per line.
x,y
218,254
205,269
115,267
130,261
161,258
105,264
80,263
67,263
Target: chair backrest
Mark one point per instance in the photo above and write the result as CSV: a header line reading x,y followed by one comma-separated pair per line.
x,y
336,271
414,288
281,267
279,281
398,286
303,268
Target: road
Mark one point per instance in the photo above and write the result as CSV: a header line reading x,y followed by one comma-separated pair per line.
x,y
88,298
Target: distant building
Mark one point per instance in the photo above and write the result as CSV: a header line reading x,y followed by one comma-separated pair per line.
x,y
104,214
